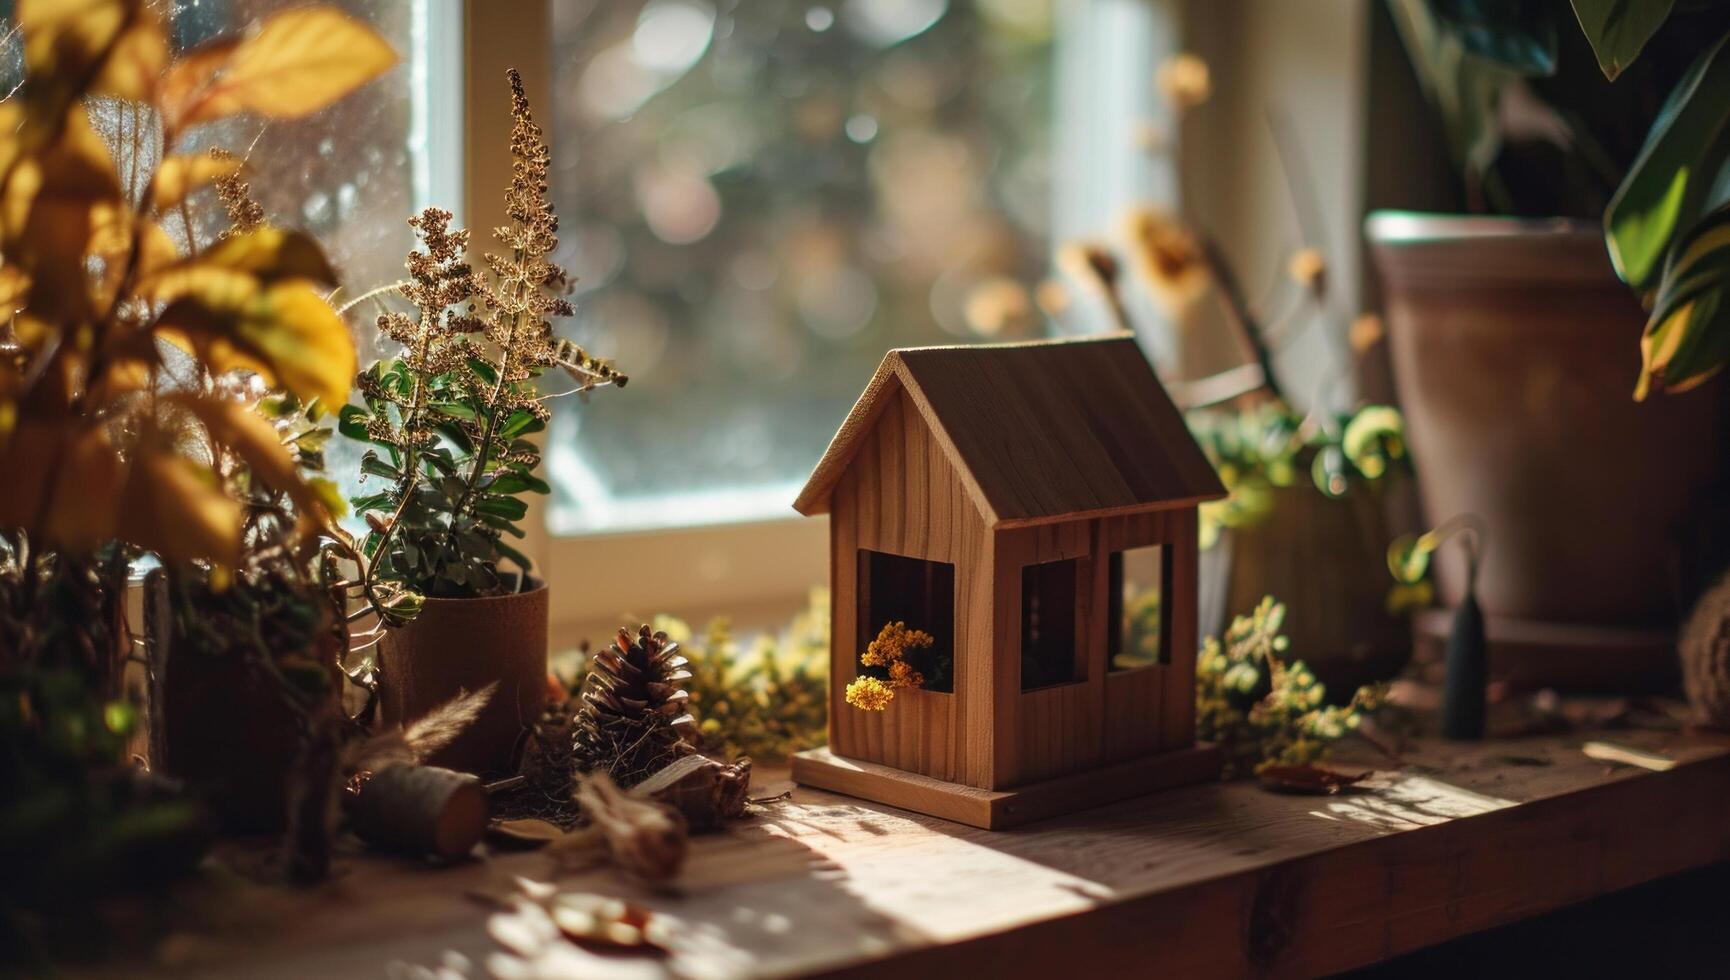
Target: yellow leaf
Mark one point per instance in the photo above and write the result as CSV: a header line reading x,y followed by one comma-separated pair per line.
x,y
63,482
240,263
45,218
271,254
300,61
284,330
174,508
179,176
14,289
74,48
186,80
249,436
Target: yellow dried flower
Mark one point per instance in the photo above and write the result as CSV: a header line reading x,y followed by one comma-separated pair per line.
x,y
1168,259
1308,269
1089,265
1052,298
869,694
1366,332
997,306
1184,81
892,643
902,674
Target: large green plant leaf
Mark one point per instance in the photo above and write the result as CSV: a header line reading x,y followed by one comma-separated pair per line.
x,y
1464,88
1519,35
1618,29
1687,339
1670,184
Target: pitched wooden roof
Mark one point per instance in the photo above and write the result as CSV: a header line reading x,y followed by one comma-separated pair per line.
x,y
1041,432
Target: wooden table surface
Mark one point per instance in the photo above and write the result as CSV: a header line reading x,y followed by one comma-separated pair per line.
x,y
1214,880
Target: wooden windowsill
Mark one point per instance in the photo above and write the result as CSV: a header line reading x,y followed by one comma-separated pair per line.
x,y
1213,880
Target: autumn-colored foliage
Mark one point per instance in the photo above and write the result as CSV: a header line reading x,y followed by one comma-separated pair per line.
x,y
98,289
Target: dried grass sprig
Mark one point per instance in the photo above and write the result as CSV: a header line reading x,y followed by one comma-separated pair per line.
x,y
452,418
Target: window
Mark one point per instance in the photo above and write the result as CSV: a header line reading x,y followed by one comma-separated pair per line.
x,y
350,174
1048,609
1135,596
757,200
894,589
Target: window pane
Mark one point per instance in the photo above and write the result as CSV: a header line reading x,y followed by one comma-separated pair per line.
x,y
1135,596
1048,624
919,593
759,198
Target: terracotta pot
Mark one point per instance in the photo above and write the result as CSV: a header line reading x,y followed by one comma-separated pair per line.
x,y
1515,351
462,645
1326,559
219,723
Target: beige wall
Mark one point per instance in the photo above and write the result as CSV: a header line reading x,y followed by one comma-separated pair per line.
x,y
1302,63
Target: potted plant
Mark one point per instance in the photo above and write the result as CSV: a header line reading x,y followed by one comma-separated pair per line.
x,y
113,429
449,423
1517,340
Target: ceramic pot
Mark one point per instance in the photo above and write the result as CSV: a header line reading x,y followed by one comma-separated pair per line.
x,y
1326,559
219,723
1515,350
462,645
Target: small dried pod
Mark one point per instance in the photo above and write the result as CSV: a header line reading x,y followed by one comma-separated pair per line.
x,y
645,838
706,792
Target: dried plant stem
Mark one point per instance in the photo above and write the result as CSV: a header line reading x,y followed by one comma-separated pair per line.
x,y
495,403
1237,310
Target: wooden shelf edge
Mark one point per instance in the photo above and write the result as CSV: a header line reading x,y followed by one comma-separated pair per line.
x,y
1001,809
1400,892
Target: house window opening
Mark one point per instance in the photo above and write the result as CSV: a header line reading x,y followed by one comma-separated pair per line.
x,y
919,593
1048,624
1137,635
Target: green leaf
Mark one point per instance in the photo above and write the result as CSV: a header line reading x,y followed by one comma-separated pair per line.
x,y
1618,29
457,436
370,463
1669,185
457,410
502,524
483,370
376,501
513,482
513,554
1519,35
1688,346
520,422
352,423
509,508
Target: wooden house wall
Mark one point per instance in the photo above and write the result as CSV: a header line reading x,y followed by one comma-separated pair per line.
x,y
901,495
1102,716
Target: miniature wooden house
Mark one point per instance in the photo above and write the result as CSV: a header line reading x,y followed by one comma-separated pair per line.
x,y
1002,499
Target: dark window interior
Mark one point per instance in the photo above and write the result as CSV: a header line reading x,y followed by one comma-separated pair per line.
x,y
1047,624
922,595
1136,596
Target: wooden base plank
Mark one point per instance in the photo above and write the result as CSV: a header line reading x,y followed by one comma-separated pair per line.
x,y
998,809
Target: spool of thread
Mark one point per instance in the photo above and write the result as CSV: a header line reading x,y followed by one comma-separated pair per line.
x,y
420,810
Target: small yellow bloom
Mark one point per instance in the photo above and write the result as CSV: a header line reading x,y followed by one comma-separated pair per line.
x,y
902,674
869,694
1308,269
1366,332
1184,81
1168,259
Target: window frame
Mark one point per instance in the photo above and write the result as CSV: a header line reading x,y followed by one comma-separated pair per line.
x,y
758,573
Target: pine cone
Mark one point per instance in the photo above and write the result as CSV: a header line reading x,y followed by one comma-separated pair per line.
x,y
632,720
548,755
1705,652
